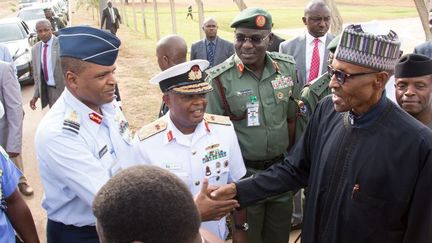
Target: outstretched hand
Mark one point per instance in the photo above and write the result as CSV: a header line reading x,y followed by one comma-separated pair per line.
x,y
224,192
211,209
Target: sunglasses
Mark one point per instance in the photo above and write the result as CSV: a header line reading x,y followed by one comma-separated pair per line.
x,y
341,77
255,39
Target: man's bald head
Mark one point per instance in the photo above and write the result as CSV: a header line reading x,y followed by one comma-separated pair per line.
x,y
317,18
171,50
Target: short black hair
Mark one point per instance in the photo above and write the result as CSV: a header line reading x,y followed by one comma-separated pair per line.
x,y
146,203
72,64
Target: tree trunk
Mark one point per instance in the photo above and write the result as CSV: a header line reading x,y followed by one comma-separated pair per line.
x,y
336,19
424,17
240,4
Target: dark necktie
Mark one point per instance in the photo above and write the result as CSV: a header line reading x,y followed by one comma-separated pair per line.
x,y
45,65
210,53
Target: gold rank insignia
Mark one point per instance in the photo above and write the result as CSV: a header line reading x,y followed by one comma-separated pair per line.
x,y
195,73
217,119
151,129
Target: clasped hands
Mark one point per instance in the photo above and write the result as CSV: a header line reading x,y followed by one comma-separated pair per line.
x,y
215,202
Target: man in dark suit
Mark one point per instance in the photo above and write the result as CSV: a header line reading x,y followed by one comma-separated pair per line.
x,y
212,48
312,44
47,72
111,18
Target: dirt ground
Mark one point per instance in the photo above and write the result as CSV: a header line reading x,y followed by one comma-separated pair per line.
x,y
140,100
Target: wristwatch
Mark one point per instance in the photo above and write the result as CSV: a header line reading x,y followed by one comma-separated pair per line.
x,y
244,226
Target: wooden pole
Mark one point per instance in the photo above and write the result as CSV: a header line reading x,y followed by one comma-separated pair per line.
x,y
424,17
156,19
143,19
124,13
200,17
173,17
134,15
336,19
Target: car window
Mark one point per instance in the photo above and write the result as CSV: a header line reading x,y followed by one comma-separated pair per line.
x,y
11,32
31,14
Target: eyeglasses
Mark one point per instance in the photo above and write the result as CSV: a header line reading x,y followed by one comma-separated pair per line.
x,y
341,77
255,39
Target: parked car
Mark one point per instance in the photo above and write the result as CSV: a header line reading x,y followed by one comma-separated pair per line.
x,y
33,14
16,35
26,3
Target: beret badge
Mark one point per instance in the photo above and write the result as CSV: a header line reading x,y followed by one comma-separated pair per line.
x,y
260,21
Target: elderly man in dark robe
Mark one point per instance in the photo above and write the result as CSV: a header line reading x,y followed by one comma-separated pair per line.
x,y
366,162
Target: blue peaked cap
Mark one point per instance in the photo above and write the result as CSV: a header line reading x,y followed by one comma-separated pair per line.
x,y
89,44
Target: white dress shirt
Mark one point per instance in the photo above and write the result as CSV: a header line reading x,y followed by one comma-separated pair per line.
x,y
309,51
50,81
77,159
212,151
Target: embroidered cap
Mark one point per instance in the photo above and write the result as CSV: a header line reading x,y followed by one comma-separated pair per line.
x,y
184,78
413,65
253,18
369,45
89,44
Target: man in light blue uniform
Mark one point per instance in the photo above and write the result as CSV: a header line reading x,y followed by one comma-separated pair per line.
x,y
13,209
84,138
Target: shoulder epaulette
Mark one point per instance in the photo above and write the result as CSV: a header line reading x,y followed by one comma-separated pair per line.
x,y
282,57
320,85
71,122
221,68
152,129
217,119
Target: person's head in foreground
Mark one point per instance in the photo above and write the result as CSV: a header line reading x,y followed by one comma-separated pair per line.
x,y
413,83
146,204
364,60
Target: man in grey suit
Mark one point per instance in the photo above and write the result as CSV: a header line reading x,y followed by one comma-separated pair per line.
x,y
111,18
48,76
303,48
310,53
11,124
426,47
212,48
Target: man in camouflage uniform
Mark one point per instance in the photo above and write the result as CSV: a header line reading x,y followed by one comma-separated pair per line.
x,y
56,22
257,90
312,93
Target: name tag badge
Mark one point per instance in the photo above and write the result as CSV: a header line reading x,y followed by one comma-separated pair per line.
x,y
103,151
252,114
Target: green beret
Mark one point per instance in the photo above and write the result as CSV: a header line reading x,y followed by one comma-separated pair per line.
x,y
253,18
333,44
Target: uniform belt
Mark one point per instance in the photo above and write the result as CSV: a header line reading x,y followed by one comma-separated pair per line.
x,y
263,164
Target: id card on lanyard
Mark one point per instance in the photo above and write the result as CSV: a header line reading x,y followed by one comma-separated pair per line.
x,y
252,112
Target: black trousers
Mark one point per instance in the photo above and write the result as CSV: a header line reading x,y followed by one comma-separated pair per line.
x,y
61,233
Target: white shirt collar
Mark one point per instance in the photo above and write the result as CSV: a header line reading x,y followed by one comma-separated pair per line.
x,y
310,38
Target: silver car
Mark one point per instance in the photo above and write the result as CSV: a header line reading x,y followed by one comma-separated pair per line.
x,y
16,36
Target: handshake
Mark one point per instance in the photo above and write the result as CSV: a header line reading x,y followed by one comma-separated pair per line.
x,y
215,202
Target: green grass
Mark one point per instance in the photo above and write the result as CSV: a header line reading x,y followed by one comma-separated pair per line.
x,y
283,18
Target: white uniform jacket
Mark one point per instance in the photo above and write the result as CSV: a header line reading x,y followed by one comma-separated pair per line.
x,y
212,151
78,152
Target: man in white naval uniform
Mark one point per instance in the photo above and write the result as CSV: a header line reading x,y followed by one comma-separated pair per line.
x,y
84,138
191,144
